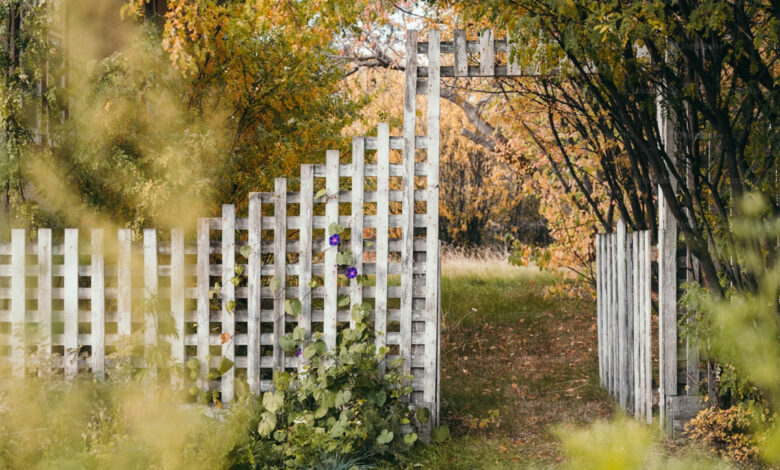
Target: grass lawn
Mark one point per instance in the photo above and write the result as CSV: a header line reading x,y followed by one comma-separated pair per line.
x,y
519,358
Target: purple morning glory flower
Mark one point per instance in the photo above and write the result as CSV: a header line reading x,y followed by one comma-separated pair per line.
x,y
351,272
300,351
334,239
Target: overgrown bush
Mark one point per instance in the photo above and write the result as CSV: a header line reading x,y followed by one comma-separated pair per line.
x,y
730,433
341,404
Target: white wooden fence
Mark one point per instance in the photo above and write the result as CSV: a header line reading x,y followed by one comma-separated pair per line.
x,y
87,290
624,318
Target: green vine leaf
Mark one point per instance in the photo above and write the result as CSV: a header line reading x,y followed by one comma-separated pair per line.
x,y
245,251
292,307
275,284
343,300
384,437
320,193
335,229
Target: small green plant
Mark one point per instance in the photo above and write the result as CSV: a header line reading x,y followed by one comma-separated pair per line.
x,y
340,404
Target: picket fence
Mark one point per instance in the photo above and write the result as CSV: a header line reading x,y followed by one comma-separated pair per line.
x,y
84,292
623,284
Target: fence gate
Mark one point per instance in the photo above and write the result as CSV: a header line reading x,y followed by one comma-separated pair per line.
x,y
623,285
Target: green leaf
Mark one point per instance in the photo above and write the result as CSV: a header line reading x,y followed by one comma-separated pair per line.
x,y
230,306
239,269
343,300
384,437
423,415
292,307
273,401
312,283
344,258
224,365
299,334
282,380
275,284
288,344
320,193
335,229
321,411
440,434
245,251
309,351
378,397
410,439
267,423
342,398
235,280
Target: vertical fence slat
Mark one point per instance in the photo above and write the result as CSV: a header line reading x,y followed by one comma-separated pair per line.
x,y
304,260
203,288
98,296
432,221
461,59
280,266
382,224
228,297
18,301
614,313
622,313
667,303
71,301
646,321
151,283
599,300
331,272
513,64
254,302
177,294
124,275
635,293
486,53
44,290
358,163
407,219
629,386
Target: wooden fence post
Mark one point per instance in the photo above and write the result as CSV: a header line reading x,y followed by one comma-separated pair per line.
x,y
18,301
382,230
228,299
356,231
44,291
331,271
203,287
280,268
254,301
98,303
71,302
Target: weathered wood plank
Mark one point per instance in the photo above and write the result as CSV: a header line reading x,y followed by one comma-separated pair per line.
x,y
228,298
331,271
98,304
203,287
667,302
487,58
356,231
636,322
254,301
430,392
44,291
647,358
151,291
382,219
512,57
71,302
461,59
280,273
177,295
124,276
305,251
599,301
407,221
18,301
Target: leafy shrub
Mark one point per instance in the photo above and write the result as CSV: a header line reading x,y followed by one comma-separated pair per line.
x,y
730,433
341,404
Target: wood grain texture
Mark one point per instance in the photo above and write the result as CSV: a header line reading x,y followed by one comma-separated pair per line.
x,y
254,301
18,301
382,227
407,219
461,59
44,291
431,315
228,298
98,305
178,353
356,230
124,276
280,271
331,271
203,287
305,251
487,57
71,302
151,284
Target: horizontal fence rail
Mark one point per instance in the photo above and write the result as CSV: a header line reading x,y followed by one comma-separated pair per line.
x,y
623,285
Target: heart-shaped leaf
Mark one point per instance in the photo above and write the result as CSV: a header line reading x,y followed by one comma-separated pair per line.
x,y
384,437
410,438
